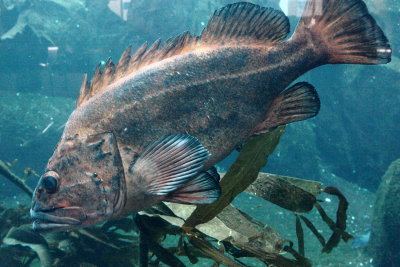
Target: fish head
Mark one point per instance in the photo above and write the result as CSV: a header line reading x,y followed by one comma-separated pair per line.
x,y
83,184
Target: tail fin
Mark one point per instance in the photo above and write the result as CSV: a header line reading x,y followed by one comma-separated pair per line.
x,y
345,31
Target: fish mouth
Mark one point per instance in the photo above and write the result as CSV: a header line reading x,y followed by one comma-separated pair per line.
x,y
52,219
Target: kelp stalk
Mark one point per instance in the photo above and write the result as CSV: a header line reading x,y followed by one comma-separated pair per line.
x,y
314,230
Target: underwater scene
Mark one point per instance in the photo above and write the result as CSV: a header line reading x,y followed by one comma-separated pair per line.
x,y
199,133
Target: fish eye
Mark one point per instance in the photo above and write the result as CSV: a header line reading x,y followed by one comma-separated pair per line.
x,y
49,183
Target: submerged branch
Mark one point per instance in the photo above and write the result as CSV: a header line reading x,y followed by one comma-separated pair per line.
x,y
300,235
314,230
213,253
6,172
147,243
339,226
143,250
300,260
341,214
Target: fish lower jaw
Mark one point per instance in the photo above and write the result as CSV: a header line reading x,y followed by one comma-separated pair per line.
x,y
50,220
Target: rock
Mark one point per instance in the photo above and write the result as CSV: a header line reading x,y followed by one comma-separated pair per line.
x,y
356,130
76,29
384,243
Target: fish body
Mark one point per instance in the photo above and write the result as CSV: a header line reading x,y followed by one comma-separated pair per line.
x,y
219,105
151,128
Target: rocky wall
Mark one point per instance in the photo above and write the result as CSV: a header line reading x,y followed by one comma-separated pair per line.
x,y
384,243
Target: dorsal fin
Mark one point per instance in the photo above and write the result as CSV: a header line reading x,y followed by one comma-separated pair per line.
x,y
245,23
128,64
233,25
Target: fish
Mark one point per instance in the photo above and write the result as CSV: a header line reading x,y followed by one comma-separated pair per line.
x,y
151,127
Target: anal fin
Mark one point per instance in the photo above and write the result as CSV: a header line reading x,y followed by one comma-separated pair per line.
x,y
297,103
202,189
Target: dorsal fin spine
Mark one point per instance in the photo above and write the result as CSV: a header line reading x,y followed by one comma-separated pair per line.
x,y
110,67
123,63
151,52
95,80
108,74
138,54
83,92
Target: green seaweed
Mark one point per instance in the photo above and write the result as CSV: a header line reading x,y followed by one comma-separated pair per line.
x,y
244,171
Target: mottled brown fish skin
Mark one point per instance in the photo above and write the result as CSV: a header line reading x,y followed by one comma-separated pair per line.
x,y
218,95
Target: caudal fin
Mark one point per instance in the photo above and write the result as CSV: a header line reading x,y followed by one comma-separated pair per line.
x,y
343,32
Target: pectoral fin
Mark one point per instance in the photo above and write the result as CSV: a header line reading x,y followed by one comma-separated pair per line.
x,y
202,189
169,163
297,103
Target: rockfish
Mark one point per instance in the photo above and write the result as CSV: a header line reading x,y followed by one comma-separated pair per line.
x,y
152,127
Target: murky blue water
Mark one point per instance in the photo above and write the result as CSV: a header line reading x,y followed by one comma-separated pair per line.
x,y
47,45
